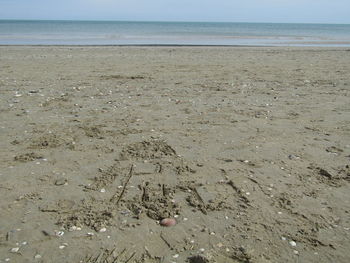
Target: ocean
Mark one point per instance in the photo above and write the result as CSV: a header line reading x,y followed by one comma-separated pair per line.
x,y
39,32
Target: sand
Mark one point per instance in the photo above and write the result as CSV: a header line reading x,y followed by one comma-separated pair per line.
x,y
247,148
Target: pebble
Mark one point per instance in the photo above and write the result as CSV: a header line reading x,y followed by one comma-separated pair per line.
x,y
292,243
168,222
296,252
103,190
61,247
37,256
14,250
201,249
176,256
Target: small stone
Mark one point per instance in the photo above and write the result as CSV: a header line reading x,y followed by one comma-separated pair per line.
x,y
62,247
168,222
103,190
201,250
176,256
292,243
283,238
14,250
37,256
296,252
90,234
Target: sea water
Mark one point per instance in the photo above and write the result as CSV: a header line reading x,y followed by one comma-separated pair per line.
x,y
39,32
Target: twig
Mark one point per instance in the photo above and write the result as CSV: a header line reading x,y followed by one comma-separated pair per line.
x,y
131,172
133,254
165,241
202,207
117,257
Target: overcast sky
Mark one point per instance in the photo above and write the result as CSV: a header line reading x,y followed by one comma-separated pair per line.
x,y
302,11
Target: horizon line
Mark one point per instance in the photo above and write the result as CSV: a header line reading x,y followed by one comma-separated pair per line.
x,y
160,21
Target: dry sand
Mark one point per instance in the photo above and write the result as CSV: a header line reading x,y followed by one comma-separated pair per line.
x,y
248,148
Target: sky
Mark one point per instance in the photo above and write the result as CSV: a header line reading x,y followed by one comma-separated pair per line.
x,y
276,11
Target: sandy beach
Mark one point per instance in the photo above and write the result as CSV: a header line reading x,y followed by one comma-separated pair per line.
x,y
247,148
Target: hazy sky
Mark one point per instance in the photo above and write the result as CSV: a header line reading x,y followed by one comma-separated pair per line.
x,y
307,11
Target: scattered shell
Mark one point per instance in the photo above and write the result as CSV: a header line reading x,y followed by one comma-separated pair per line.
x,y
90,234
168,222
201,250
185,219
103,190
37,256
61,181
59,233
14,250
176,256
62,247
292,243
74,228
103,229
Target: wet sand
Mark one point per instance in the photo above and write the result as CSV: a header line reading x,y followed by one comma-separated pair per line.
x,y
247,148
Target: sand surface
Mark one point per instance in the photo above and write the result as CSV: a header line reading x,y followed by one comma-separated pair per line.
x,y
247,148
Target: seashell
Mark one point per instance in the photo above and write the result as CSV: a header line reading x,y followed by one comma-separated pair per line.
x,y
168,222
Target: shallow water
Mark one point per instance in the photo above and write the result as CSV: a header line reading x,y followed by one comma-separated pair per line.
x,y
22,32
